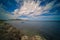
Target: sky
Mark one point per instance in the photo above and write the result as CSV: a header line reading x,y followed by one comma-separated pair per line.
x,y
30,9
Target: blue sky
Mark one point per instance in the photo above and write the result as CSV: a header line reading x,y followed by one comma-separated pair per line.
x,y
30,9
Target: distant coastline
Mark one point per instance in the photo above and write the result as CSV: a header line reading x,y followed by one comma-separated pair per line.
x,y
31,20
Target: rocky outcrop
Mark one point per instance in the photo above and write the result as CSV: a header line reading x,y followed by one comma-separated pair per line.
x,y
8,32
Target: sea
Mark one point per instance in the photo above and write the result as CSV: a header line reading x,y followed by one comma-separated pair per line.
x,y
49,29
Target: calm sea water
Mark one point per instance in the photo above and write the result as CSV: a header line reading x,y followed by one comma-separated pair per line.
x,y
49,29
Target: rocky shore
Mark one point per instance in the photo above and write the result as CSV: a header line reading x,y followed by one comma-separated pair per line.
x,y
9,32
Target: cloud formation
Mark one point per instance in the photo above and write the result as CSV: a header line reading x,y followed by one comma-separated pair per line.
x,y
31,8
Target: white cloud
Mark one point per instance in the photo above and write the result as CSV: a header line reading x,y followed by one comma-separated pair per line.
x,y
24,18
47,18
12,16
17,1
49,5
31,8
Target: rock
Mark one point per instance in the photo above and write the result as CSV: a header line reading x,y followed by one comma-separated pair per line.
x,y
8,32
